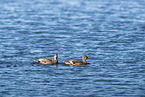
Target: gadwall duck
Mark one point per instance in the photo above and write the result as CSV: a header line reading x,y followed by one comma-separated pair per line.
x,y
78,62
47,61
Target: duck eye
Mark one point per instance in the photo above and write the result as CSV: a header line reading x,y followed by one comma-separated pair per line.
x,y
38,61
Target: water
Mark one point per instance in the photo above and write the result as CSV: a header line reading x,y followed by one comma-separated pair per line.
x,y
110,32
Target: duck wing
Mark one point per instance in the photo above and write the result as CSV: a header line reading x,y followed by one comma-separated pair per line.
x,y
44,61
47,61
75,62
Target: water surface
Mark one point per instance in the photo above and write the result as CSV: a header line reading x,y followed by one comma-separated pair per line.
x,y
110,32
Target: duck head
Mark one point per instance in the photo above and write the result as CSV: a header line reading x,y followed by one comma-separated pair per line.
x,y
85,58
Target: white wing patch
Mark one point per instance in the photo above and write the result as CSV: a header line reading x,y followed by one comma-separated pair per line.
x,y
71,62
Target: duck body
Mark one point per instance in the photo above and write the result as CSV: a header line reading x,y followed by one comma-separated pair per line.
x,y
78,62
47,61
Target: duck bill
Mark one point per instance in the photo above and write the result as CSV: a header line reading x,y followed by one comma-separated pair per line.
x,y
88,59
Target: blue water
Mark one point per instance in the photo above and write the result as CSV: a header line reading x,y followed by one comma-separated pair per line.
x,y
110,32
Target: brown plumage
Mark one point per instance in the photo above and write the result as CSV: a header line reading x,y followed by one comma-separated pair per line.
x,y
78,62
47,61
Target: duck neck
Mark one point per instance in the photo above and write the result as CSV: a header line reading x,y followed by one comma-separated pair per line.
x,y
84,60
55,57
